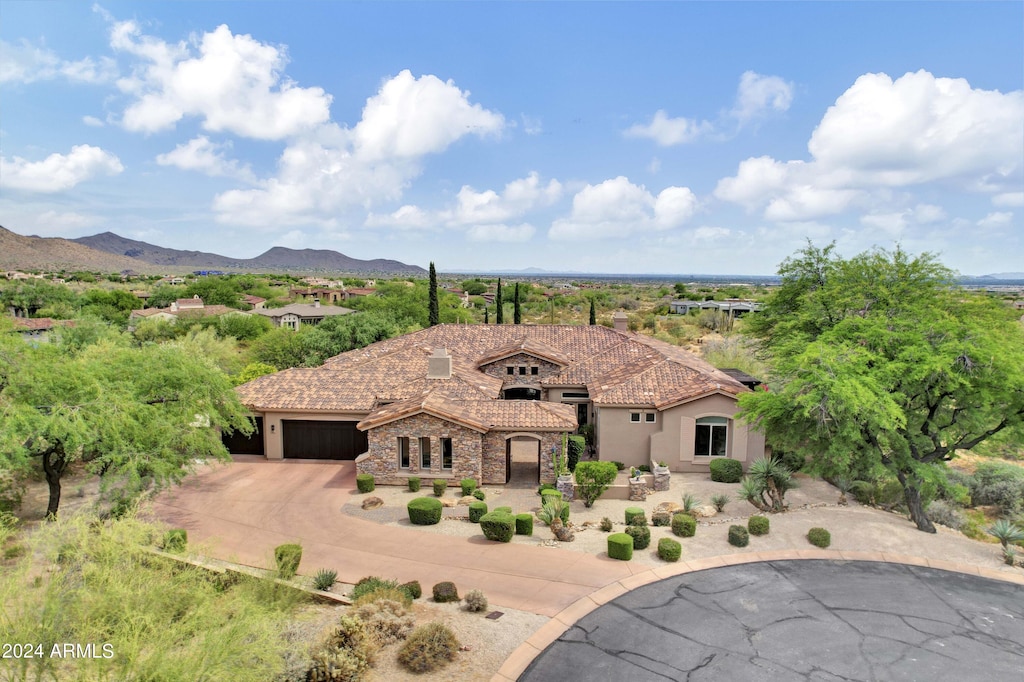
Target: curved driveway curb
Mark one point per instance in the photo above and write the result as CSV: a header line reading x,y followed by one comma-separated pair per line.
x,y
522,657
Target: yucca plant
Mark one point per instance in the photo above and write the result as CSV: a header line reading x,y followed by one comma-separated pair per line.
x,y
690,502
766,484
551,514
324,579
720,501
1006,532
844,485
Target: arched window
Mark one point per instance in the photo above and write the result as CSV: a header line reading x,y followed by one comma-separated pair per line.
x,y
711,437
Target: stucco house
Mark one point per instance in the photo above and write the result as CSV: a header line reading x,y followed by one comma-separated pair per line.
x,y
449,402
183,307
295,314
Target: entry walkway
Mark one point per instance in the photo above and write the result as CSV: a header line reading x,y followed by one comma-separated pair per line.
x,y
240,512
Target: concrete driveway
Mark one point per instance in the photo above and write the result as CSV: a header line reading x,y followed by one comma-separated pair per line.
x,y
798,620
241,511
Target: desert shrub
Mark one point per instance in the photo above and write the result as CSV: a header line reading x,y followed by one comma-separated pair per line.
x,y
1000,484
738,536
619,466
386,620
633,513
324,579
468,486
412,588
175,540
726,470
445,592
641,536
287,558
428,648
524,524
819,537
577,445
547,494
661,517
766,484
498,526
479,494
364,482
946,514
758,525
476,510
620,546
440,485
345,655
424,511
593,479
669,549
684,525
370,585
792,460
545,486
475,601
606,525
414,484
563,506
719,501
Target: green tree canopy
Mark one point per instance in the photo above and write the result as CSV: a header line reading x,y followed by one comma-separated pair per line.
x,y
881,361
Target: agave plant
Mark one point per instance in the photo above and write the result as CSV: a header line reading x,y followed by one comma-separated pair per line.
x,y
690,502
720,501
1006,532
551,514
324,579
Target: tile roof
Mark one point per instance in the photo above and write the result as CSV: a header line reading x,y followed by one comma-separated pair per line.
x,y
304,310
482,415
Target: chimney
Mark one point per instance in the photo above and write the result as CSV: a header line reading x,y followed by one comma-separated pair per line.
x,y
439,365
620,321
316,303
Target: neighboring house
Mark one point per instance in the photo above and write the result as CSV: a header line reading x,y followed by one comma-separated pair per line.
x,y
450,401
38,329
256,302
173,280
734,306
183,307
683,307
291,316
326,294
463,297
363,291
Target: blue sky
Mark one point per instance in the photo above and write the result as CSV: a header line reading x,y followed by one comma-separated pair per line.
x,y
662,137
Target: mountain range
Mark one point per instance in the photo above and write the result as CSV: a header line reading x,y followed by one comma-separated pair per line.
x,y
109,252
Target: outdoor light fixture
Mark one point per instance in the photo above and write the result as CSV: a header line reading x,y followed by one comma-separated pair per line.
x,y
271,428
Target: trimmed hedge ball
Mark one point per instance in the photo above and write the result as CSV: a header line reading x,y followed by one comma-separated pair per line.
x,y
641,536
468,486
620,546
507,510
524,524
445,592
632,513
726,470
819,537
479,494
424,511
440,485
758,525
498,526
414,484
669,549
364,482
684,525
477,510
738,536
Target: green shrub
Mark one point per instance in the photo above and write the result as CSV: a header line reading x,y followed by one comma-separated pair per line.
x,y
414,484
719,501
577,445
593,479
641,536
819,537
364,482
758,525
287,558
669,549
1000,484
661,517
946,514
476,510
412,588
468,486
479,494
440,485
424,511
550,493
619,466
428,648
565,507
524,524
725,470
684,525
507,510
175,540
634,513
445,592
324,579
620,546
606,525
498,526
387,621
545,486
738,536
792,460
370,585
475,601
346,655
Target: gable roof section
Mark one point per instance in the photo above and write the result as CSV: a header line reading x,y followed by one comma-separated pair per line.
x,y
524,345
303,310
479,415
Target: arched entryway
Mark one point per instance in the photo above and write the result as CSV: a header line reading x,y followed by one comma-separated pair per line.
x,y
522,460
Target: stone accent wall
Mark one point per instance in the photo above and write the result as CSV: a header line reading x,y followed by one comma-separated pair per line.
x,y
382,453
493,465
498,370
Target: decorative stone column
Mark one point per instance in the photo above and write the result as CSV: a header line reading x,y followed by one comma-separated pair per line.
x,y
638,490
566,487
662,479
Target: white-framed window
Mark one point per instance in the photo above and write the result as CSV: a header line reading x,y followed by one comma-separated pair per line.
x,y
403,452
649,417
425,453
446,454
711,437
634,417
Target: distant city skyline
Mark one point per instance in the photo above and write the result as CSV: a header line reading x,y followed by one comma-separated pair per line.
x,y
629,138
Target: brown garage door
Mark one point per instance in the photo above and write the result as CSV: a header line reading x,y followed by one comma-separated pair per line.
x,y
237,444
322,440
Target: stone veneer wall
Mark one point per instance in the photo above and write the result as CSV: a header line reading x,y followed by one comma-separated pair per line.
x,y
382,453
499,371
494,472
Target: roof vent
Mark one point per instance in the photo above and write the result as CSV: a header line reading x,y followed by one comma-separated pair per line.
x,y
439,365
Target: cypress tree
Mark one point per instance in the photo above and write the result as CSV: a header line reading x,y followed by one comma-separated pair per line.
x,y
486,316
517,314
593,312
499,312
433,313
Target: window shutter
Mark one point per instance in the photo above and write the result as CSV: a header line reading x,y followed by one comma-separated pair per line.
x,y
687,435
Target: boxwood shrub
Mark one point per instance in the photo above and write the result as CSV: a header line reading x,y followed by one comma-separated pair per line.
x,y
524,524
669,549
479,494
507,510
684,525
414,484
424,511
364,482
287,558
440,485
620,546
477,510
819,537
412,588
724,470
641,536
468,486
738,536
758,525
498,526
445,592
634,512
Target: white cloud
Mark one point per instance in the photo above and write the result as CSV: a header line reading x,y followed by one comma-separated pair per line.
x,y
706,233
57,221
58,172
928,213
201,155
233,83
667,131
759,94
617,208
531,126
407,217
92,122
519,197
500,233
1009,199
27,63
995,220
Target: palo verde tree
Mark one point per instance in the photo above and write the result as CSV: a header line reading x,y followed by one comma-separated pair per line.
x,y
499,306
433,314
882,361
517,311
140,415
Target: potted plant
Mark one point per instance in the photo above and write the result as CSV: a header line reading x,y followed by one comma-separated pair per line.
x,y
660,468
635,475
